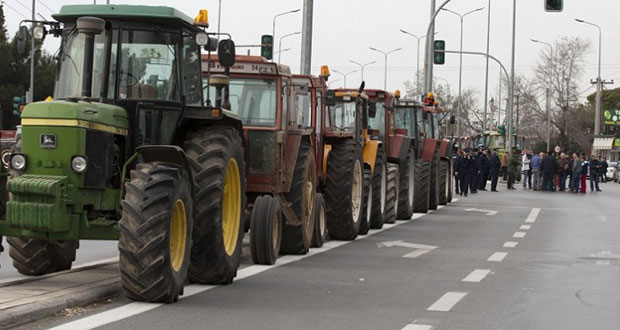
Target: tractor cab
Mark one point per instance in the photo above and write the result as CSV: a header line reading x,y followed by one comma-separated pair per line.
x,y
348,114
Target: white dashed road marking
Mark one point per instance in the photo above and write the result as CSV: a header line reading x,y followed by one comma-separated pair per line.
x,y
417,327
519,234
525,227
510,244
477,275
533,215
447,301
497,256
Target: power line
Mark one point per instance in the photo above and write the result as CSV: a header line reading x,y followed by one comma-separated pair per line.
x,y
46,6
15,10
26,7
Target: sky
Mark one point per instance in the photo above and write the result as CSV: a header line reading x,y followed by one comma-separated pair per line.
x,y
345,29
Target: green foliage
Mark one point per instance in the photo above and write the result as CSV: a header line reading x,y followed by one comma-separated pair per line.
x,y
15,77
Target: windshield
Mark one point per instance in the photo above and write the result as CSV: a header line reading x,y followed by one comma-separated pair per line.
x,y
148,67
496,141
342,115
254,100
71,72
378,123
420,124
405,119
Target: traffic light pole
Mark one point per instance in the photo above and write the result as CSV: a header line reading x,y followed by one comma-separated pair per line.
x,y
30,94
306,37
429,51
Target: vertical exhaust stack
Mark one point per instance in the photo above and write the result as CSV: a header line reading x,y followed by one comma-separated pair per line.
x,y
90,26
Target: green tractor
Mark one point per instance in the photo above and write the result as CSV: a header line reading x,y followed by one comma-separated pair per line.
x,y
131,150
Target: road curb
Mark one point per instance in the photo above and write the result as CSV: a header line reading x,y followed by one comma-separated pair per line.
x,y
75,297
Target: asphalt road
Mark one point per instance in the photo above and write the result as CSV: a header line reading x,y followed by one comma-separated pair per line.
x,y
507,260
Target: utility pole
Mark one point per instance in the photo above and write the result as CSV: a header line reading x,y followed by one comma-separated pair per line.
x,y
30,94
511,92
486,79
306,37
517,119
429,50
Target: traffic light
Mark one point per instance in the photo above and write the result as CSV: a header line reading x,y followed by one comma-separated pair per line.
x,y
440,56
266,46
18,104
554,5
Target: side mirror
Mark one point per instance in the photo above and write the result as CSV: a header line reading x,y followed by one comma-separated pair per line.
x,y
362,86
226,53
22,39
330,98
452,120
372,110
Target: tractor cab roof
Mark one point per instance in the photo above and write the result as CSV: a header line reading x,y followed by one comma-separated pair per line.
x,y
247,65
409,103
160,14
350,94
372,94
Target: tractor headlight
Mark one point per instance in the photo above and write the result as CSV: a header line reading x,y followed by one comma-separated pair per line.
x,y
18,162
79,164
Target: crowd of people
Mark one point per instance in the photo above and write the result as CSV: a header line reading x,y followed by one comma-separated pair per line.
x,y
537,171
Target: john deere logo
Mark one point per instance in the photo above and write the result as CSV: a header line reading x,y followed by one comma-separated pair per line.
x,y
607,114
48,141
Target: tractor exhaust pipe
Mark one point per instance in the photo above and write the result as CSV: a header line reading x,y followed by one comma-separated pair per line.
x,y
90,26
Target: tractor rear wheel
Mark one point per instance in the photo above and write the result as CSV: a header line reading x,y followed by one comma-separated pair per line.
x,y
421,184
216,159
296,239
319,236
265,230
35,257
391,203
344,190
406,187
444,178
367,206
434,186
155,233
379,191
450,182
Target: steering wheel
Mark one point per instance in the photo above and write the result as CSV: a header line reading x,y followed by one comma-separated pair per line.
x,y
127,79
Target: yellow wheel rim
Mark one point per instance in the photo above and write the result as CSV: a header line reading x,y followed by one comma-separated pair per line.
x,y
178,235
231,208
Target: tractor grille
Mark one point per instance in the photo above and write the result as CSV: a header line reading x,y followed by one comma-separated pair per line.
x,y
38,203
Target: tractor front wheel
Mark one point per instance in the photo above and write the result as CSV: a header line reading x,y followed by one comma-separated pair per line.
x,y
421,184
391,203
265,230
155,233
319,236
444,184
379,191
367,206
406,187
37,257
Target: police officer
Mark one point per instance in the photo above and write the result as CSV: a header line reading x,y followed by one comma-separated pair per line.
x,y
494,165
456,156
484,170
463,171
474,172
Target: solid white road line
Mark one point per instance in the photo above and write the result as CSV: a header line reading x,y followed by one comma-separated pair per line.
x,y
497,256
533,215
519,234
447,302
525,227
135,308
417,327
477,275
510,244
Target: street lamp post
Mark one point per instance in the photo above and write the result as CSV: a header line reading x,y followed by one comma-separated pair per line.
x,y
597,111
386,54
548,105
273,34
280,43
344,75
362,66
418,57
486,77
460,103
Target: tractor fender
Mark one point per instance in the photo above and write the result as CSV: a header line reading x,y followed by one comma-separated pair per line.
x,y
370,153
428,149
400,149
168,154
444,148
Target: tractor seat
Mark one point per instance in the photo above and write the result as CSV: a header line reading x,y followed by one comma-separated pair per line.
x,y
142,92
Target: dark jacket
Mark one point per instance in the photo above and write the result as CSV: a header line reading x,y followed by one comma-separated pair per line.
x,y
564,169
513,163
549,166
475,164
494,163
464,164
585,166
484,164
595,167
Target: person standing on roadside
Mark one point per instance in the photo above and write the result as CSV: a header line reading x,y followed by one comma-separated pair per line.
x,y
595,168
463,172
494,165
535,165
513,163
504,168
484,170
563,171
603,169
575,173
455,170
474,172
525,170
585,167
548,170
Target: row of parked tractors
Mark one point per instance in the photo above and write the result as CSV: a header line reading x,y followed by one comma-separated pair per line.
x,y
160,137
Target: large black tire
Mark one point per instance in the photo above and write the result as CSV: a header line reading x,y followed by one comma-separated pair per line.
x,y
450,181
433,201
319,213
155,233
391,203
265,230
214,152
344,190
367,203
37,257
422,185
444,178
296,239
406,187
379,190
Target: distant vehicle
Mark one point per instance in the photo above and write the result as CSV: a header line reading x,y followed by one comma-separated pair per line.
x,y
616,167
